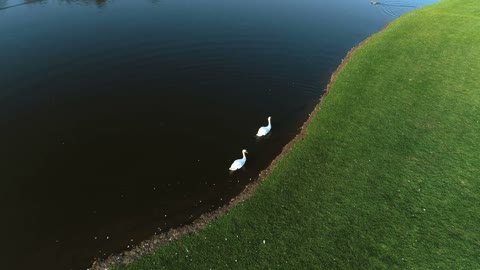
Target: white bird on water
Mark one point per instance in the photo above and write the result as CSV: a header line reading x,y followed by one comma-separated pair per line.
x,y
266,129
237,164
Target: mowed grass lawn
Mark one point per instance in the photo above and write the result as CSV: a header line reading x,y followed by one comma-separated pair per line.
x,y
388,175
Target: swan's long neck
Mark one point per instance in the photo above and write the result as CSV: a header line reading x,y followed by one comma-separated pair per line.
x,y
244,157
269,123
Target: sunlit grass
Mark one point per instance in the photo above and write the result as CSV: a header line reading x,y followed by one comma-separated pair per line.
x,y
388,175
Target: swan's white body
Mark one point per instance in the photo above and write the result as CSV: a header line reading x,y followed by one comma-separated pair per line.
x,y
265,130
237,164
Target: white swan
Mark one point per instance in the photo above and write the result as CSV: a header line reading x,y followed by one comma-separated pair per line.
x,y
237,164
265,130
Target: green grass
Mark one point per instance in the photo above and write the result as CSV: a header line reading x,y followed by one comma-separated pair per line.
x,y
388,176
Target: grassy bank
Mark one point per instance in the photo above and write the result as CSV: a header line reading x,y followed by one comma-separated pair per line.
x,y
388,175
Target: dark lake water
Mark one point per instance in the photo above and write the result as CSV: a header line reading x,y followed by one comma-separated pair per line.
x,y
119,119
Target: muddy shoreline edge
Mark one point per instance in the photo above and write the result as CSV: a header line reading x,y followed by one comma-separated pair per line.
x,y
149,246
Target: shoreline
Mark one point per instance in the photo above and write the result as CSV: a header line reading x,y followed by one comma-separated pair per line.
x,y
148,246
